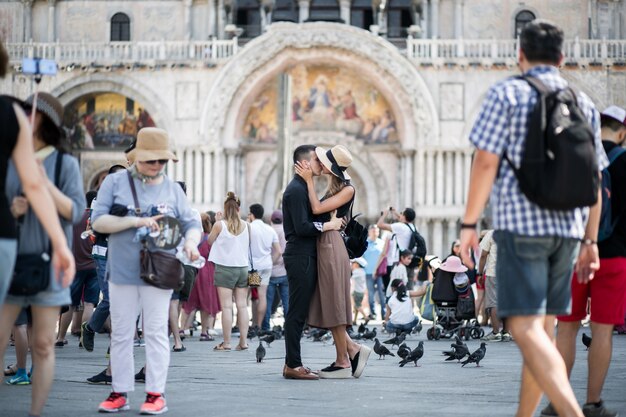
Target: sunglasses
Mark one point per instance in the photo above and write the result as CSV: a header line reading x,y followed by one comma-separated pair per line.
x,y
159,161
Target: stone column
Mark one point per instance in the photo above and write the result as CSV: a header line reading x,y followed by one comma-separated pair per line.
x,y
230,169
189,171
419,176
198,178
211,18
221,19
187,19
449,170
206,177
219,177
466,171
344,7
458,178
458,19
434,19
51,21
408,180
28,20
439,178
437,237
178,172
425,19
452,233
304,10
430,179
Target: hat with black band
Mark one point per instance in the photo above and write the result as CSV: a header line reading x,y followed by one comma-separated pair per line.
x,y
336,160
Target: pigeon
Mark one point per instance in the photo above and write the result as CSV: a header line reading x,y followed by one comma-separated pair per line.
x,y
586,340
318,336
396,340
414,356
404,351
476,356
418,328
456,353
268,339
381,350
460,346
362,329
277,335
260,352
369,335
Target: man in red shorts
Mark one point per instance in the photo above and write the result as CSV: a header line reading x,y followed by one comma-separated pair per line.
x,y
607,291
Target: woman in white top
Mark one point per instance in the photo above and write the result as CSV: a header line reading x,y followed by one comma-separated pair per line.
x,y
230,243
399,314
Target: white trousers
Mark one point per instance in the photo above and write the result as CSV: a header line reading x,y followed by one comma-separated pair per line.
x,y
126,303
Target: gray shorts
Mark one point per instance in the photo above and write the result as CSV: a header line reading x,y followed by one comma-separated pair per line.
x,y
265,276
231,276
491,292
8,253
534,274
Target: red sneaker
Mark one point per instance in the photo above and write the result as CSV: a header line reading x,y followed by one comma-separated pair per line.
x,y
116,402
154,405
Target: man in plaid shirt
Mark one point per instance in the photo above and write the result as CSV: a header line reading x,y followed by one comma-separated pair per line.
x,y
536,247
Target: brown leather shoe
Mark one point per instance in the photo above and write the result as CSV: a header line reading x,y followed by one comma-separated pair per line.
x,y
300,372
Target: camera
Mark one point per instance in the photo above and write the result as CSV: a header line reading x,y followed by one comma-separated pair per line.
x,y
38,66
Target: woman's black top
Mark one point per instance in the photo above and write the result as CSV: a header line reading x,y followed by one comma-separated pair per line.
x,y
8,140
342,211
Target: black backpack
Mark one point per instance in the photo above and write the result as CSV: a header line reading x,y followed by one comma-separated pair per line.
x,y
559,170
417,245
355,236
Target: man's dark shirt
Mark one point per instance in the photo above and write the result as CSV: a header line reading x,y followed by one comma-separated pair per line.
x,y
615,246
300,232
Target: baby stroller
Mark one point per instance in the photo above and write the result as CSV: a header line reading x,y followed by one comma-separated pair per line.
x,y
454,306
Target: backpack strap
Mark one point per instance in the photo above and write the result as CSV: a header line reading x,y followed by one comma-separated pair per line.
x,y
615,153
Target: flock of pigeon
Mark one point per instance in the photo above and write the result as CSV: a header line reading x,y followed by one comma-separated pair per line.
x,y
459,352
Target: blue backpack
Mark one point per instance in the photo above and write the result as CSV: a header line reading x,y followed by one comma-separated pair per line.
x,y
607,222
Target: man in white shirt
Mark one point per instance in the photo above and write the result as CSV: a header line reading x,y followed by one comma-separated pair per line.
x,y
265,250
401,230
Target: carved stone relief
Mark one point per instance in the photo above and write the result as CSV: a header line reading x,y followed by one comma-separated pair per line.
x,y
451,101
187,100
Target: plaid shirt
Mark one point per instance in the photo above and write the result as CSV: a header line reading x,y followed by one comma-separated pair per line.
x,y
501,127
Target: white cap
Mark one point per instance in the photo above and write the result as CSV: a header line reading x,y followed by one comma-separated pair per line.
x,y
615,112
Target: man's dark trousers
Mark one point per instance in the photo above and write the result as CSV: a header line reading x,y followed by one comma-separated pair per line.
x,y
302,277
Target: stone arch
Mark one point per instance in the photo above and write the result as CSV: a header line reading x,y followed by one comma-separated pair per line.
x,y
77,87
285,44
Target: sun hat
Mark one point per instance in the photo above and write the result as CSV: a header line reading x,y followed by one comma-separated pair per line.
x,y
48,105
453,264
616,113
336,159
461,279
152,144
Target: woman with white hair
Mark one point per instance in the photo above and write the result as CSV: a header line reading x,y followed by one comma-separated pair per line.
x,y
152,195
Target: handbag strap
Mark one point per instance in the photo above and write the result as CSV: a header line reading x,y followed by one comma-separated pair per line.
x,y
134,192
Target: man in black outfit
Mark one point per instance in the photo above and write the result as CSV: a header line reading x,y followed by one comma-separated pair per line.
x,y
300,259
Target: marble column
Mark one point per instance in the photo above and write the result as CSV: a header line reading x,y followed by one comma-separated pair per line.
x,y
51,21
211,18
189,159
187,19
28,20
425,19
219,177
419,177
409,201
458,19
344,8
449,175
304,10
178,172
230,169
437,238
439,178
198,178
434,19
452,233
466,171
221,19
459,175
206,175
430,178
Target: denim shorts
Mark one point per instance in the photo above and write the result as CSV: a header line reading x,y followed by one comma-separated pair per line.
x,y
534,274
85,287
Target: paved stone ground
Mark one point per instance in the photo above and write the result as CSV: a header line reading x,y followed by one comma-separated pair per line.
x,y
206,383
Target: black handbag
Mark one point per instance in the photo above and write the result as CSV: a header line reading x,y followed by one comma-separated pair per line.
x,y
32,270
158,268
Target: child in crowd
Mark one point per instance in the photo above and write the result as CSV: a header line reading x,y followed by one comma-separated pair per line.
x,y
358,288
400,270
399,315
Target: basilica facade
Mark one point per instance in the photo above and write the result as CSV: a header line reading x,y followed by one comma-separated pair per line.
x,y
239,84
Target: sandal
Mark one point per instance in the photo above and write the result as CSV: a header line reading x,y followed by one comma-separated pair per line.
x,y
182,348
221,347
239,347
204,337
